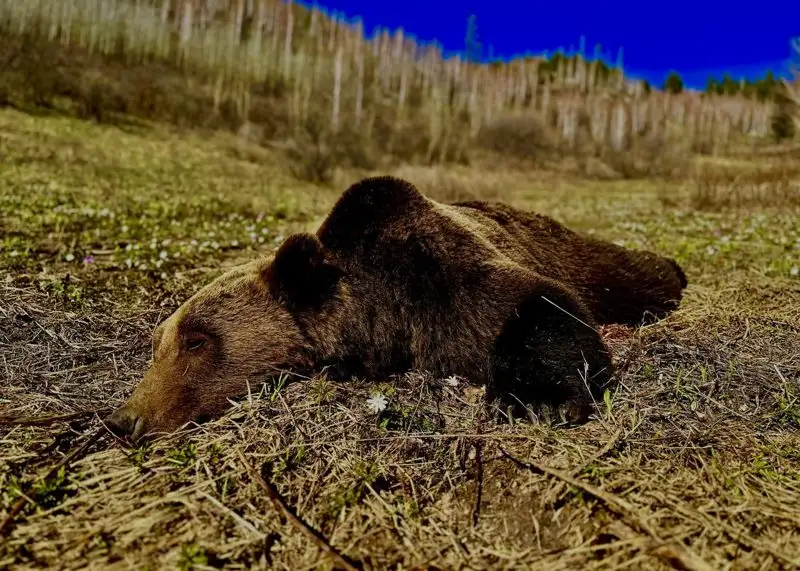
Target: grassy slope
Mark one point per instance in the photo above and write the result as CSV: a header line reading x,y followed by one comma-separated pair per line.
x,y
700,442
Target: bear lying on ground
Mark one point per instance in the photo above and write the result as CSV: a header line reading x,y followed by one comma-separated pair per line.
x,y
393,281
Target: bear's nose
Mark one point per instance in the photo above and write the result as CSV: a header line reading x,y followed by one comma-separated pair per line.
x,y
124,422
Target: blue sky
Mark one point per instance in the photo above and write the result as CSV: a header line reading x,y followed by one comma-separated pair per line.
x,y
695,38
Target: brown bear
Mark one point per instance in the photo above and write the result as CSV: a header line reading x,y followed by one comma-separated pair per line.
x,y
394,281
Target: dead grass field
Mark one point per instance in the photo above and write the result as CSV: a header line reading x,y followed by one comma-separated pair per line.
x,y
693,463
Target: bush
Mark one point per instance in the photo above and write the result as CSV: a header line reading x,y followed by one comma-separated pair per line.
x,y
650,155
315,150
519,135
782,125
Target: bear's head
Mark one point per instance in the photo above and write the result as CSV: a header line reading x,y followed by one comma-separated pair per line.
x,y
239,330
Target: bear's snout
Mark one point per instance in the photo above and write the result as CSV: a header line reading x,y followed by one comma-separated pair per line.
x,y
123,422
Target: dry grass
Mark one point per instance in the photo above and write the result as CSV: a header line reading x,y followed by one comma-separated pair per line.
x,y
692,463
768,184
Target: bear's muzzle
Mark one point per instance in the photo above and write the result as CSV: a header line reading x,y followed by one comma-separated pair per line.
x,y
123,422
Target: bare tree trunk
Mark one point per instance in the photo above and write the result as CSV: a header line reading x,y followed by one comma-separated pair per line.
x,y
337,91
287,46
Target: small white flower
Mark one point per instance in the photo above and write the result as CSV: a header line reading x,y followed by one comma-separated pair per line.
x,y
163,254
377,402
235,243
711,250
452,380
69,257
124,228
166,242
794,271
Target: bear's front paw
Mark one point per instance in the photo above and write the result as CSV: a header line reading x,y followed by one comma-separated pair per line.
x,y
549,351
571,413
575,411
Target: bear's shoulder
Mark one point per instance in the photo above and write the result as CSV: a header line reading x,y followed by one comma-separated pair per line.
x,y
371,208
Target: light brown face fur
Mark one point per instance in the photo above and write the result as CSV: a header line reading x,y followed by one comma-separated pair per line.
x,y
229,333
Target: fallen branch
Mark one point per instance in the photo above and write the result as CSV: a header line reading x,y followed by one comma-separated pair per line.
x,y
677,555
283,508
48,419
476,508
77,453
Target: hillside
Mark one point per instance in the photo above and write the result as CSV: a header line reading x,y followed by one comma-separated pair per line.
x,y
278,72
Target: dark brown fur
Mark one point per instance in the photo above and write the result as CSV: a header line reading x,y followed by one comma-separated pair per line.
x,y
393,281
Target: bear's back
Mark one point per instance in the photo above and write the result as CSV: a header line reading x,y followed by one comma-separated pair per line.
x,y
383,224
386,225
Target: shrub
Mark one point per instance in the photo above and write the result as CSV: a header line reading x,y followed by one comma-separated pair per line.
x,y
519,135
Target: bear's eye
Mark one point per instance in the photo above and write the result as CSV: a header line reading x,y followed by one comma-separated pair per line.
x,y
195,342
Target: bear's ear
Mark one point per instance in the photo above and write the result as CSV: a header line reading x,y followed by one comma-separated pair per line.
x,y
299,276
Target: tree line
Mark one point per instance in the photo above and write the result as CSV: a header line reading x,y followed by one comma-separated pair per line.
x,y
762,89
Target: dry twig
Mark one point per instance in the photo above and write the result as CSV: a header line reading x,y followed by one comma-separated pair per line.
x,y
283,508
476,508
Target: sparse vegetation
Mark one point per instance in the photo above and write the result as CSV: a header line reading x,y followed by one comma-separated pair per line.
x,y
154,163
